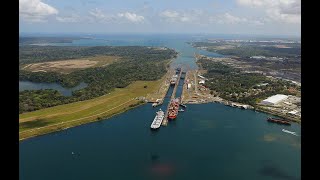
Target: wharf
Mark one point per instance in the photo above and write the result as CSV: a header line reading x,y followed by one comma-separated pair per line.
x,y
165,120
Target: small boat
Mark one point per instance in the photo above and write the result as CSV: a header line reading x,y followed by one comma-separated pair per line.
x,y
290,132
279,121
181,110
183,105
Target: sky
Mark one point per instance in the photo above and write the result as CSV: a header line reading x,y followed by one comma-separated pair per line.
x,y
265,17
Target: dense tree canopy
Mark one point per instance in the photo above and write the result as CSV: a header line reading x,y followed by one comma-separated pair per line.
x,y
234,85
138,63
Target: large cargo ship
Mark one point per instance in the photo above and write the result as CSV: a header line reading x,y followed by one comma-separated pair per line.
x,y
290,132
173,108
174,79
157,120
279,121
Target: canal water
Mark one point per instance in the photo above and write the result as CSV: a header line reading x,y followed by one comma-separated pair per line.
x,y
28,85
207,141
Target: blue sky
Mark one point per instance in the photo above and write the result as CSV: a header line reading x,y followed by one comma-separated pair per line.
x,y
269,17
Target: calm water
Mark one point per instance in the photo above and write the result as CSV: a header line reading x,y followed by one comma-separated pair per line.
x,y
177,42
207,141
27,85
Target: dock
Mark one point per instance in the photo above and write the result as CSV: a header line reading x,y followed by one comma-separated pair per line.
x,y
165,120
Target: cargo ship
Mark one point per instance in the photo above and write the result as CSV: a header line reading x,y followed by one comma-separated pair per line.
x,y
173,79
157,120
173,108
279,121
290,132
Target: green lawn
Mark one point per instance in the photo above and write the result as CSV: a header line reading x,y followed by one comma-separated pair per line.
x,y
64,116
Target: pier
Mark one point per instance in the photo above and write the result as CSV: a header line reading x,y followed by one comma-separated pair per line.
x,y
165,120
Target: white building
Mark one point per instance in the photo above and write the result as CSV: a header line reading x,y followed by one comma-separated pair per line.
x,y
273,100
188,86
201,81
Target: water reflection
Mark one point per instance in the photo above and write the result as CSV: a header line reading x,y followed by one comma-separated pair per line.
x,y
27,85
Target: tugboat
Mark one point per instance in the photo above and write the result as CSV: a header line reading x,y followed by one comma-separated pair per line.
x,y
279,121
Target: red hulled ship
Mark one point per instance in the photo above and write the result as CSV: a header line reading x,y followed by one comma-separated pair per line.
x,y
279,121
173,108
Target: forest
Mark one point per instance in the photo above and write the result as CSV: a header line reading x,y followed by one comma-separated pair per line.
x,y
138,63
246,50
232,84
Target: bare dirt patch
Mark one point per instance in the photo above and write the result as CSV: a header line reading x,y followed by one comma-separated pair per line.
x,y
68,66
281,46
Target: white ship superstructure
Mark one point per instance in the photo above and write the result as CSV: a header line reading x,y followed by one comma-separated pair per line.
x,y
157,120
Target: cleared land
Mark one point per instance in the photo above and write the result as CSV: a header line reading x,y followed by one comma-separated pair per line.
x,y
69,115
162,91
68,66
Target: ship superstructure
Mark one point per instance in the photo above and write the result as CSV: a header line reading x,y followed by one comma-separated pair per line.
x,y
157,120
174,79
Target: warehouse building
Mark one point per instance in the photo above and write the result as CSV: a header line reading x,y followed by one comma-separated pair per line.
x,y
273,100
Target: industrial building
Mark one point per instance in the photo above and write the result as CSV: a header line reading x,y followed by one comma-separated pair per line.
x,y
202,82
273,100
188,86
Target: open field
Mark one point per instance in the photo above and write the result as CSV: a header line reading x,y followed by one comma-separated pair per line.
x,y
69,115
162,91
68,66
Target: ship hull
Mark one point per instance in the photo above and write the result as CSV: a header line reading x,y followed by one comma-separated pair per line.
x,y
279,121
173,109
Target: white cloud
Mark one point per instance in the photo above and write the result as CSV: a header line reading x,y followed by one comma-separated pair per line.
x,y
287,11
227,18
99,16
174,16
169,14
69,19
35,10
132,17
230,19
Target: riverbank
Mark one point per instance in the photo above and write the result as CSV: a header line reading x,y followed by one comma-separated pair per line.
x,y
74,114
158,96
194,93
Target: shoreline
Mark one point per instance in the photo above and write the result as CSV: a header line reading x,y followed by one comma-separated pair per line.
x,y
192,95
54,119
57,129
101,108
259,109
